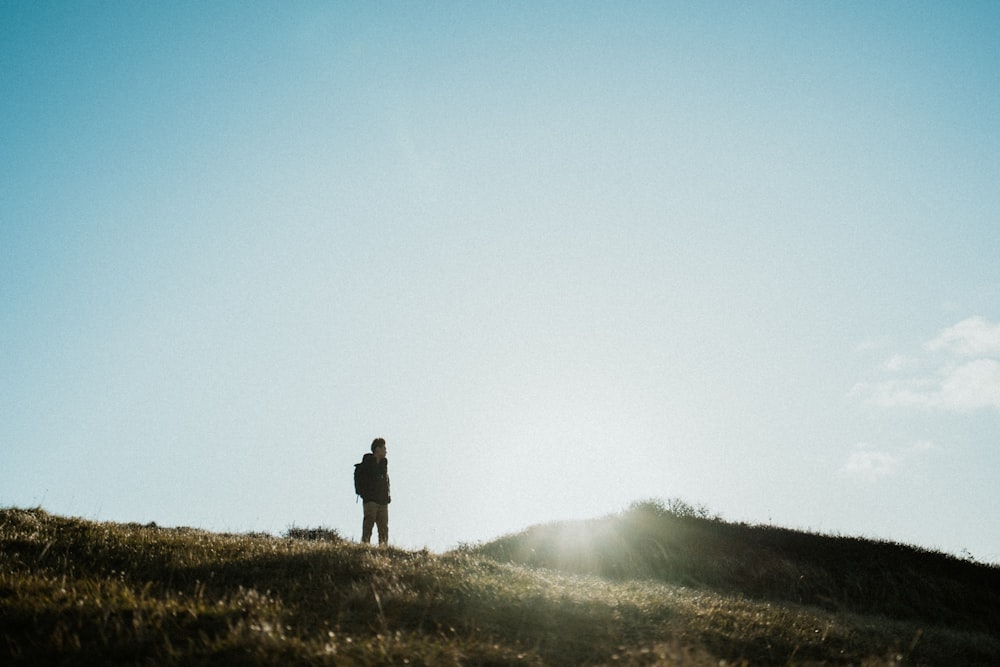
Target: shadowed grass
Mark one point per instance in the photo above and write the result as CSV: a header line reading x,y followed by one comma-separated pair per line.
x,y
685,546
74,592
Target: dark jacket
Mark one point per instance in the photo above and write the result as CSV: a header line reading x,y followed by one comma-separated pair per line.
x,y
375,480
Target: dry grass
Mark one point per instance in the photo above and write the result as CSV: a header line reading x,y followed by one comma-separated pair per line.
x,y
74,592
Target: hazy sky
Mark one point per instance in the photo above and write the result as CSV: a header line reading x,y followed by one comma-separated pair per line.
x,y
562,256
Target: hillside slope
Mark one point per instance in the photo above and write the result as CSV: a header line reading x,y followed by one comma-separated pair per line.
x,y
80,592
767,563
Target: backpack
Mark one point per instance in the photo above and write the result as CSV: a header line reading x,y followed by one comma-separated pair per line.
x,y
359,480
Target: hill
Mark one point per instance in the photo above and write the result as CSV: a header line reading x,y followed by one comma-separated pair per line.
x,y
649,586
679,544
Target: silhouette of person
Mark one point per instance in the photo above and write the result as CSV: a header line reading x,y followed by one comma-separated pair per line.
x,y
374,487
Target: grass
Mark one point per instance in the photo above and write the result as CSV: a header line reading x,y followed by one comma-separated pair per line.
x,y
655,585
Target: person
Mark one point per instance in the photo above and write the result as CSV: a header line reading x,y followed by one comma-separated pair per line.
x,y
374,490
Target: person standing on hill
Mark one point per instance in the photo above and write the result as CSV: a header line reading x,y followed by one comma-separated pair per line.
x,y
373,485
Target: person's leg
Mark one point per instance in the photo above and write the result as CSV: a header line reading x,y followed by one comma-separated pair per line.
x,y
371,509
382,520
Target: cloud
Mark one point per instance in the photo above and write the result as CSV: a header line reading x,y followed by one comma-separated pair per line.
x,y
869,464
973,337
872,465
899,362
972,385
869,344
958,371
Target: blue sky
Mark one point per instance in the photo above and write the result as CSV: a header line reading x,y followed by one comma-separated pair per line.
x,y
562,256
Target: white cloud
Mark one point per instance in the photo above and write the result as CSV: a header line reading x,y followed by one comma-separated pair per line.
x,y
869,344
924,446
869,464
899,362
972,337
971,386
959,371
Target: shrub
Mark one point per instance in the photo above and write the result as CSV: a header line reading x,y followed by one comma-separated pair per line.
x,y
320,534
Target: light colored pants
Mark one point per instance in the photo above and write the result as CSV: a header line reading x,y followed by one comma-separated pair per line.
x,y
375,515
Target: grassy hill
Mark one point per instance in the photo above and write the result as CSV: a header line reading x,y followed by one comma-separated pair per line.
x,y
654,585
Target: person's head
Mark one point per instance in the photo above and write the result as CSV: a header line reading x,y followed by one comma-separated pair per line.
x,y
378,448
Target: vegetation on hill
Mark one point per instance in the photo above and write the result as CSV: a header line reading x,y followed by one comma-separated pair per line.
x,y
650,586
680,544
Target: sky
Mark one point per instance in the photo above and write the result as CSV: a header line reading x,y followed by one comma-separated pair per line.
x,y
563,257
